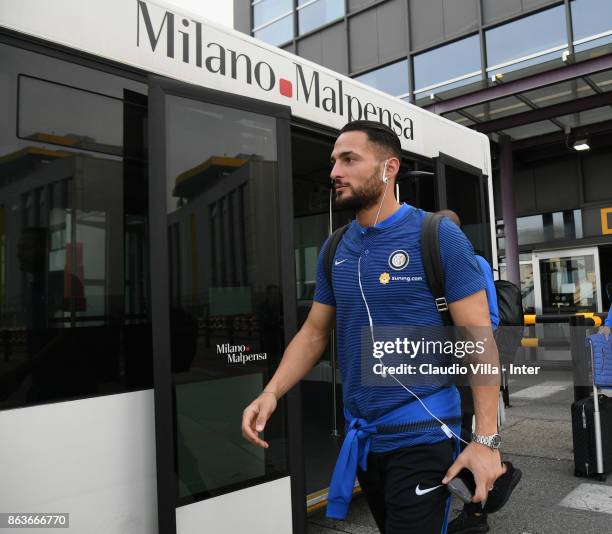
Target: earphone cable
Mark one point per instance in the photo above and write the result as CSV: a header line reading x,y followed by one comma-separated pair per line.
x,y
445,428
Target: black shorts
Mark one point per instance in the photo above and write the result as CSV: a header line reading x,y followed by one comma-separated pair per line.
x,y
398,487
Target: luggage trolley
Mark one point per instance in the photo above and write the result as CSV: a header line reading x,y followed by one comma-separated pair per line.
x,y
592,447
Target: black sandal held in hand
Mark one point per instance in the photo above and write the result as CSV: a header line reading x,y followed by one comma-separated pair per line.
x,y
502,489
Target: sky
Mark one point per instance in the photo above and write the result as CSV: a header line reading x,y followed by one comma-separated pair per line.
x,y
220,11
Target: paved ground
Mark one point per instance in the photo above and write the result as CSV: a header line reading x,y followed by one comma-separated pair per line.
x,y
538,439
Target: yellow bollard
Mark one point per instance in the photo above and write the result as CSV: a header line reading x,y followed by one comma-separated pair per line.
x,y
529,319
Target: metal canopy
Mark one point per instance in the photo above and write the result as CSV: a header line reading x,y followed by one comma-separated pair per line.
x,y
562,74
548,112
559,101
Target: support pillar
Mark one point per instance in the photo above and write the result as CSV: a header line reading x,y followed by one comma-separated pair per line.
x,y
508,208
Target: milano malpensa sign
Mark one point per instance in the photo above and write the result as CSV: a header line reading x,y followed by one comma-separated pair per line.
x,y
163,40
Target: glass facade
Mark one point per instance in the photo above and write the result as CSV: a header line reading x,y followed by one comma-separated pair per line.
x,y
445,64
523,46
311,15
546,227
524,38
392,79
266,11
591,18
273,19
74,245
278,32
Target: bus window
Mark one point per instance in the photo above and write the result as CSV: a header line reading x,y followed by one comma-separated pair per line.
x,y
73,232
463,189
418,190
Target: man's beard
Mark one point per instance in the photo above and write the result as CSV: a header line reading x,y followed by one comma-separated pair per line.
x,y
365,197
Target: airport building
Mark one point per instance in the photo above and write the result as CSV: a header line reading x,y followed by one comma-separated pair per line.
x,y
534,75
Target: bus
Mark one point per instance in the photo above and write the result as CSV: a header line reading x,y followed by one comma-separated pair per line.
x,y
164,194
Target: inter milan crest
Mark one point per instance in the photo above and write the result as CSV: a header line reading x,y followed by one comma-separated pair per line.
x,y
398,260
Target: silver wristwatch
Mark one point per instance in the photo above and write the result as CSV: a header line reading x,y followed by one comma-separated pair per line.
x,y
493,441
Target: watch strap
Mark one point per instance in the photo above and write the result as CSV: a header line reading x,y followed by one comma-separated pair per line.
x,y
493,441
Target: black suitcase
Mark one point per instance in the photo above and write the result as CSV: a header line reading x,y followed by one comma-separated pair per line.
x,y
585,437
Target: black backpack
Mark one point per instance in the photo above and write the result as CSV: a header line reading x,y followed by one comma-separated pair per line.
x,y
509,334
509,299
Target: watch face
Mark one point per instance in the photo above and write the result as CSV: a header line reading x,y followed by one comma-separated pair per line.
x,y
496,441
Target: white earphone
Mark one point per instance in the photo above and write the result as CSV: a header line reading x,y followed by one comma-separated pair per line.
x,y
384,177
445,428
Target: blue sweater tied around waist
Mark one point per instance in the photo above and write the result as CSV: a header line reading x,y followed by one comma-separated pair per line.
x,y
444,404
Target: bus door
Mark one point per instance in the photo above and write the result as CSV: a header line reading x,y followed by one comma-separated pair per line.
x,y
463,189
223,308
315,217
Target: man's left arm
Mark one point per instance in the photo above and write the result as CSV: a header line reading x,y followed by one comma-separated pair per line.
x,y
467,302
472,313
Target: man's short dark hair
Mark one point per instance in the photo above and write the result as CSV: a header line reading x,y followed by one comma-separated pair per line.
x,y
450,214
379,134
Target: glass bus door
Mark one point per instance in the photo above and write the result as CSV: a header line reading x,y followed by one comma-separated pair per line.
x,y
223,307
315,217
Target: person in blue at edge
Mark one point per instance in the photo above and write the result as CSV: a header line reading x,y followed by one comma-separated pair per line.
x,y
402,474
471,519
605,328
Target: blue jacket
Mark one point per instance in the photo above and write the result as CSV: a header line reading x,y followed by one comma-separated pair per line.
x,y
444,404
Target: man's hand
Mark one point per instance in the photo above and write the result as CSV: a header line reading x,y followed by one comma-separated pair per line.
x,y
484,463
255,417
605,330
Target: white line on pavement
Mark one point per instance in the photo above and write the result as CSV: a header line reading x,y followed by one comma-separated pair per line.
x,y
591,497
539,391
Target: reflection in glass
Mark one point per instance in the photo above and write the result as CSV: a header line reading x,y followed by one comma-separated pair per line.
x,y
277,33
532,130
464,195
527,284
73,118
496,109
267,10
590,18
448,62
392,79
225,297
318,13
584,118
549,227
74,307
526,36
558,93
593,47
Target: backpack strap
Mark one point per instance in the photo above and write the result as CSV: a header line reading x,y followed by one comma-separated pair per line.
x,y
430,252
330,250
